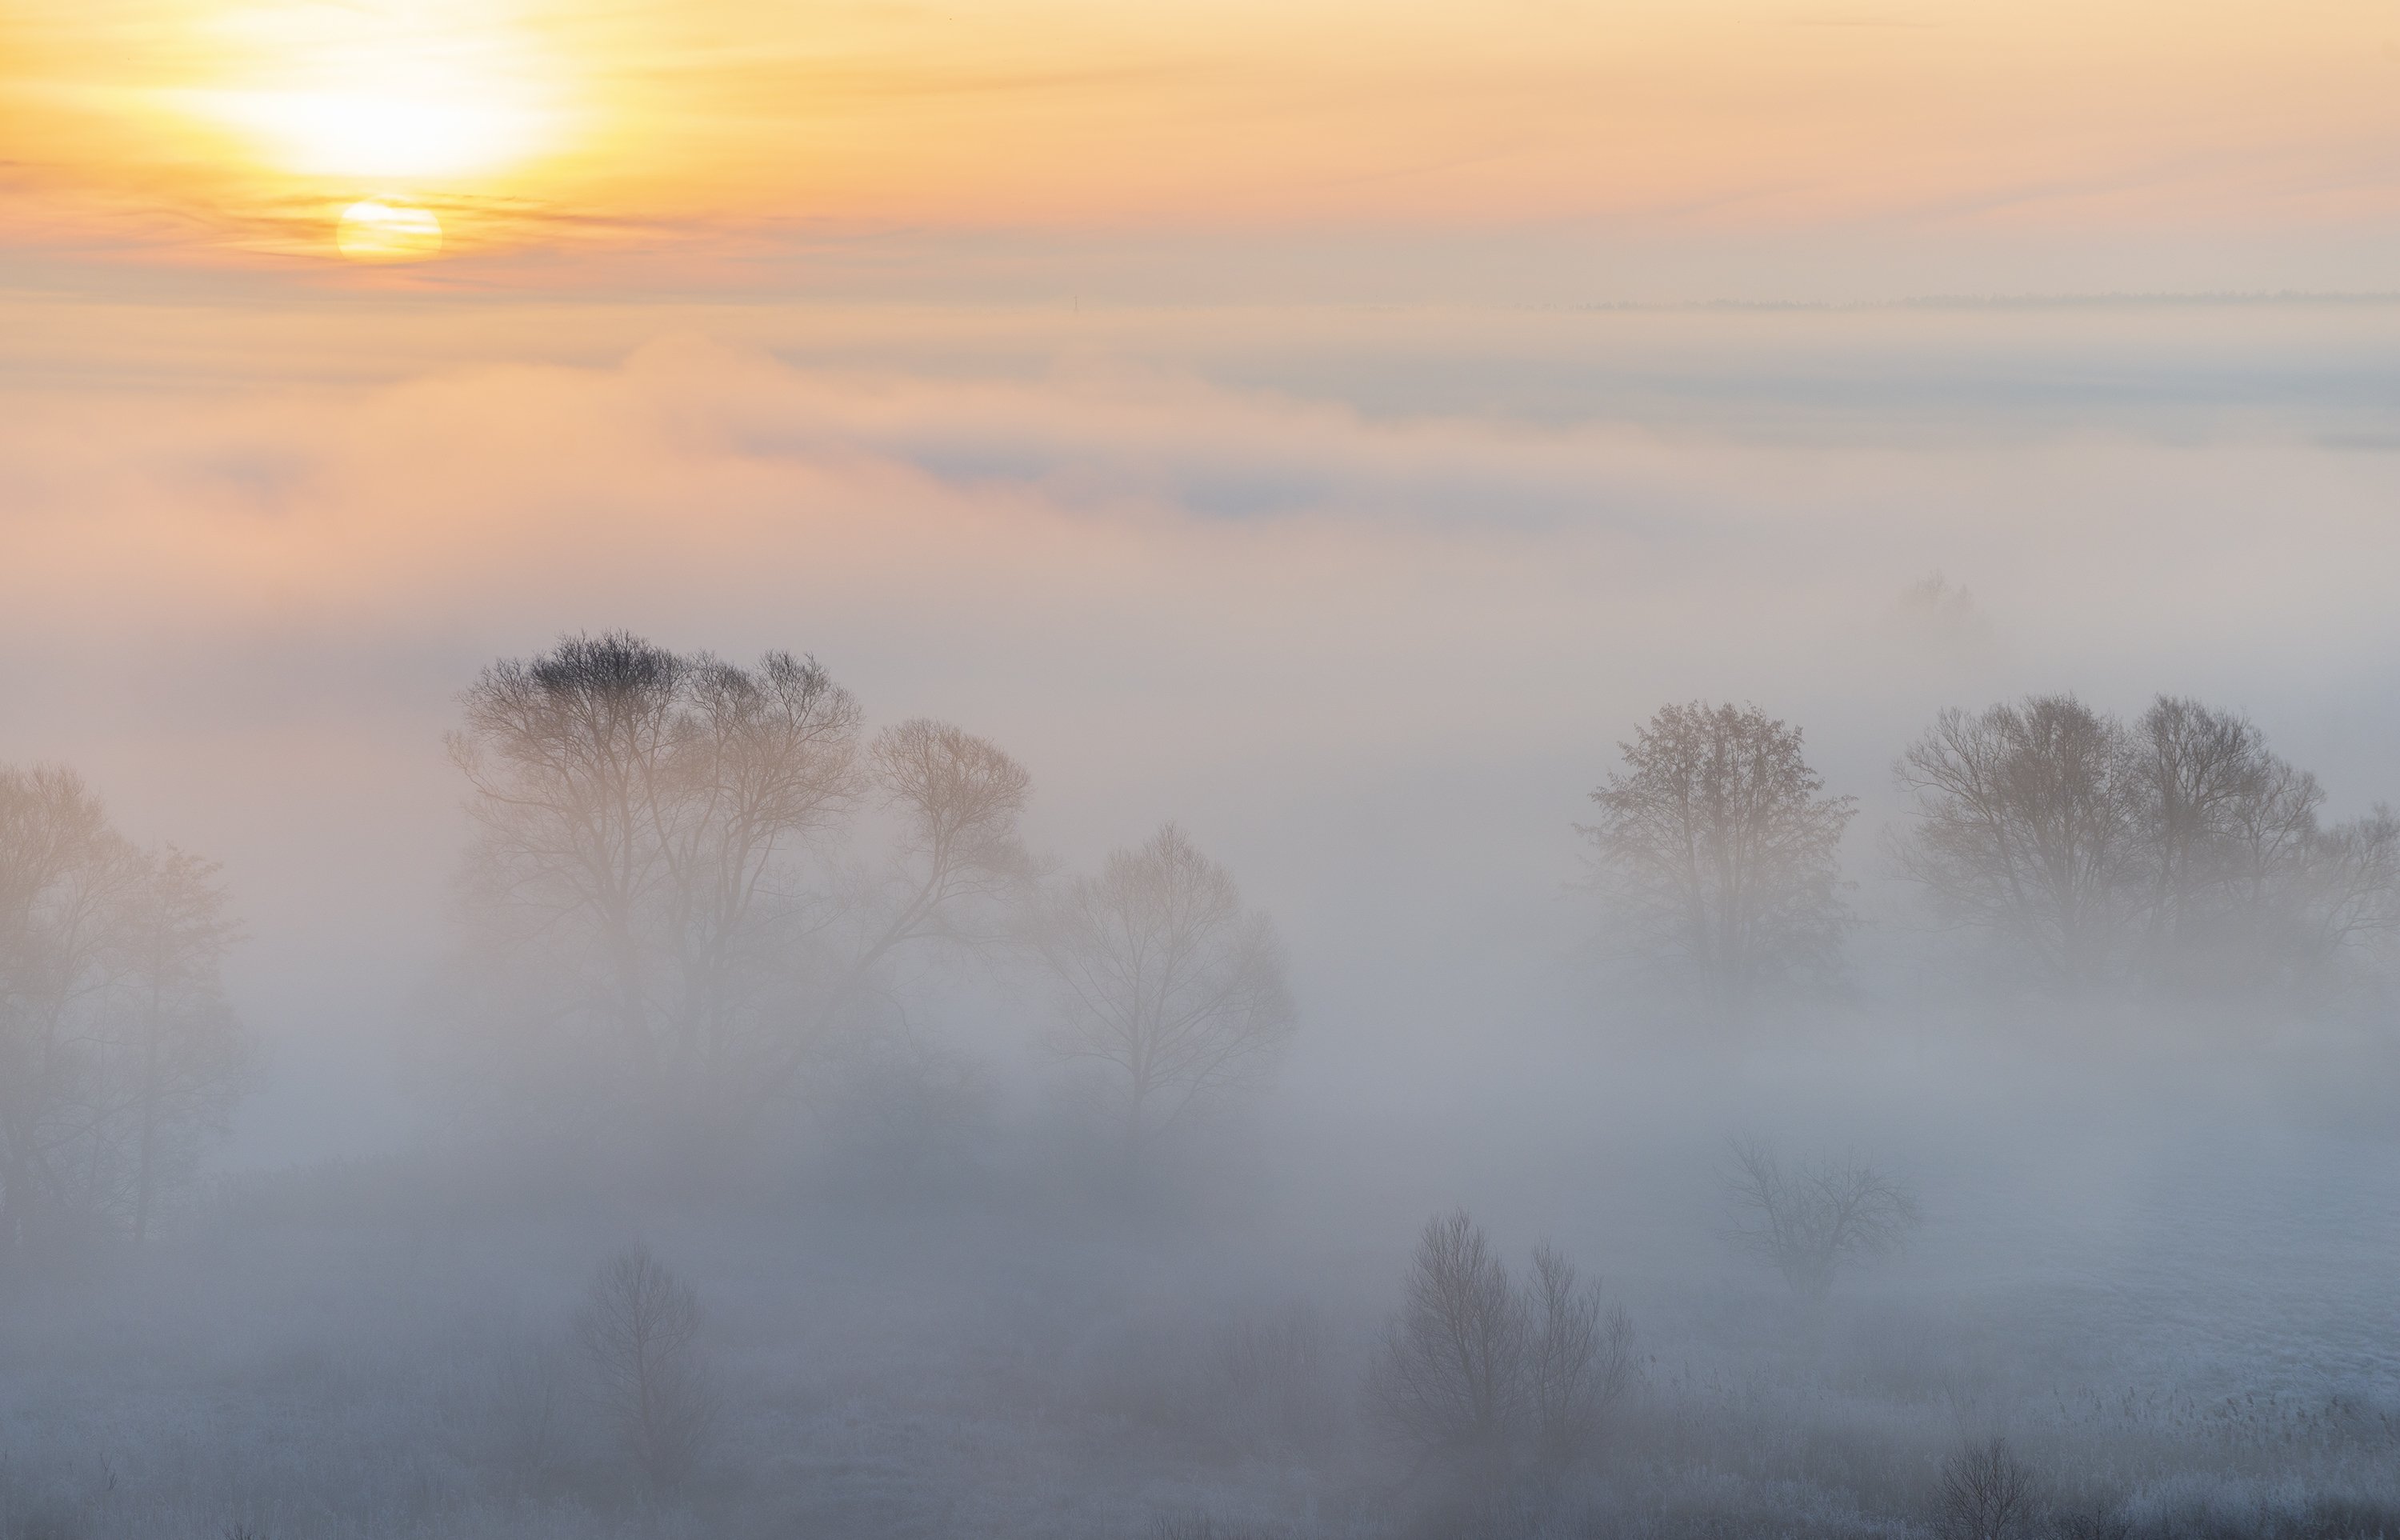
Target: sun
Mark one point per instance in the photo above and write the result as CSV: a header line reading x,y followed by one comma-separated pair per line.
x,y
379,231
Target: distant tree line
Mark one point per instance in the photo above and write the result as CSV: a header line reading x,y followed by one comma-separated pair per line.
x,y
2175,851
689,882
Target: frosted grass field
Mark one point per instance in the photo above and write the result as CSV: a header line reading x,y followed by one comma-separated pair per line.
x,y
2221,1349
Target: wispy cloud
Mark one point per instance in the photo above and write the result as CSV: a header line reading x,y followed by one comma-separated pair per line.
x,y
1650,149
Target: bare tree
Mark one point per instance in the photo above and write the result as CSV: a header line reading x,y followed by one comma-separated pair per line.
x,y
959,798
180,1052
1475,1367
119,1054
2181,846
2199,770
1806,1221
631,806
1717,852
1450,1379
2265,835
2349,888
63,876
1579,1360
650,885
1165,978
956,799
2266,894
1987,1493
2028,827
639,1330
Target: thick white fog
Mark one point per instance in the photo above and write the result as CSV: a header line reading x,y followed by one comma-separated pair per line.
x,y
1365,602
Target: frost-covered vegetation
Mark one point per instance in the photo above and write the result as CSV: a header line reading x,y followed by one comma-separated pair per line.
x,y
399,1354
810,1156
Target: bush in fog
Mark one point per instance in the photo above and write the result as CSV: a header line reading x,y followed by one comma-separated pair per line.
x,y
1717,852
2177,847
119,1056
1580,1360
1987,1493
656,921
1476,1368
1165,980
1452,1378
639,1332
1807,1221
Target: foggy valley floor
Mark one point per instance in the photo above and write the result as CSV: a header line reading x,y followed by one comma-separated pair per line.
x,y
488,1208
1199,770
1019,1345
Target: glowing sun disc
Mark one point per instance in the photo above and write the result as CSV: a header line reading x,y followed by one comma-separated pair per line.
x,y
375,231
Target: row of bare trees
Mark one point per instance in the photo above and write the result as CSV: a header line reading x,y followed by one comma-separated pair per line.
x,y
2177,849
119,1055
690,879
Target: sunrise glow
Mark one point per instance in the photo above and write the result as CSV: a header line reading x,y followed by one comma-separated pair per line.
x,y
1199,770
1672,137
433,134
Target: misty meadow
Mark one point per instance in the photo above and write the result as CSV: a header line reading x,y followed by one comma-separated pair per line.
x,y
1402,1055
1199,770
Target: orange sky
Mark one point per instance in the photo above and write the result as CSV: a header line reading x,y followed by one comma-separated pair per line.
x,y
216,131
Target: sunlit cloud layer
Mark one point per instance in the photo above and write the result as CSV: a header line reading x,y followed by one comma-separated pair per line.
x,y
1628,137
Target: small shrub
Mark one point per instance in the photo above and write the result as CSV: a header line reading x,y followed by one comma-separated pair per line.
x,y
1475,1367
1986,1493
1452,1378
639,1329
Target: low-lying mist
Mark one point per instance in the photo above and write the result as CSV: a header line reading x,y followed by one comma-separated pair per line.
x,y
1677,923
